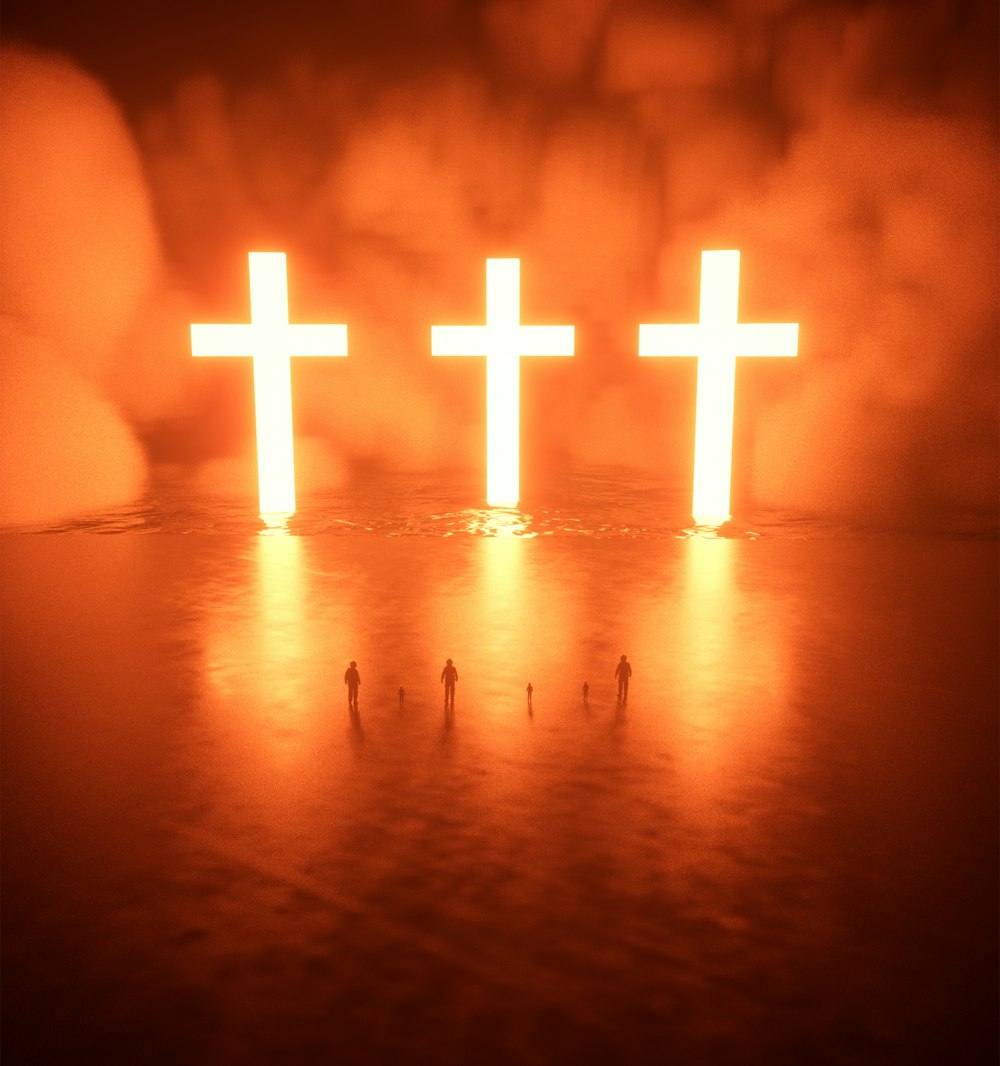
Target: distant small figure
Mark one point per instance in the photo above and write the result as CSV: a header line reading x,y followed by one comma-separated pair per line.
x,y
352,679
449,675
529,691
402,695
623,671
586,692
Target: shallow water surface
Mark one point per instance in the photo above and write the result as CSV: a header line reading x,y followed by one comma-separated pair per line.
x,y
781,849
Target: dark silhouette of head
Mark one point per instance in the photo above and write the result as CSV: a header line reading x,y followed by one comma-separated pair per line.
x,y
448,663
353,663
623,658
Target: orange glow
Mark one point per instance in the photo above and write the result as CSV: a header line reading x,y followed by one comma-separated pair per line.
x,y
270,341
717,339
503,340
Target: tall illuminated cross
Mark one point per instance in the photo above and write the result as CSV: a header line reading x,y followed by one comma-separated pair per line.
x,y
270,341
503,340
717,339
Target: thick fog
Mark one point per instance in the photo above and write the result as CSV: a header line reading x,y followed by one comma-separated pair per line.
x,y
848,149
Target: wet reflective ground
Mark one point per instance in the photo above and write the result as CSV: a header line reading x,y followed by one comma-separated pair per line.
x,y
782,850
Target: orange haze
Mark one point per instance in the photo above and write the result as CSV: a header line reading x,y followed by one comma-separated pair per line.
x,y
849,151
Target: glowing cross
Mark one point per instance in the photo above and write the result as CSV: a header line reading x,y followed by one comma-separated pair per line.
x,y
270,341
717,340
503,340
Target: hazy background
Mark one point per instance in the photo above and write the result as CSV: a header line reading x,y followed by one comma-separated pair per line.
x,y
849,150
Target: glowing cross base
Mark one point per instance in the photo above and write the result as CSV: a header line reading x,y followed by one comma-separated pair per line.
x,y
717,340
503,340
269,340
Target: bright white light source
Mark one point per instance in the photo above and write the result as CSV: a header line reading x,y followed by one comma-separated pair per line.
x,y
503,340
717,340
270,341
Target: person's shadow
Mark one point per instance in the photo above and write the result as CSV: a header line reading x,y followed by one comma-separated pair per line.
x,y
449,717
356,728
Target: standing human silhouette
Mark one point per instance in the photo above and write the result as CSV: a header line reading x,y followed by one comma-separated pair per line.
x,y
529,691
586,692
352,679
402,695
449,675
623,671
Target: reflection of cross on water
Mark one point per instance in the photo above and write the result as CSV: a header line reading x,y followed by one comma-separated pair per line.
x,y
503,340
717,339
270,340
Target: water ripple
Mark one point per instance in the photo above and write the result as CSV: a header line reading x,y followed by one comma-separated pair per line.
x,y
584,502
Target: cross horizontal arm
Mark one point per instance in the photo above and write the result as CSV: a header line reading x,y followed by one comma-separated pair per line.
x,y
658,339
752,338
327,340
766,338
460,340
317,340
545,340
222,340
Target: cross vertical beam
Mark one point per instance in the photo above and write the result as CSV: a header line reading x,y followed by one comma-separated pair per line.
x,y
270,341
716,340
503,340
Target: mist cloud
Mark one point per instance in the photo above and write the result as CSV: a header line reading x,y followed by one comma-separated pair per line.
x,y
78,258
64,449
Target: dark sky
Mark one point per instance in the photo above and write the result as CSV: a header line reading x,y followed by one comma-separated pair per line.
x,y
138,49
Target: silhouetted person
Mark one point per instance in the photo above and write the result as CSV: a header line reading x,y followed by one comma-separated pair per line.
x,y
449,675
402,695
529,691
352,679
586,691
623,671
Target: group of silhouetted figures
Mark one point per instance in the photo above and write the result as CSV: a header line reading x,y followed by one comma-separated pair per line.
x,y
449,675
